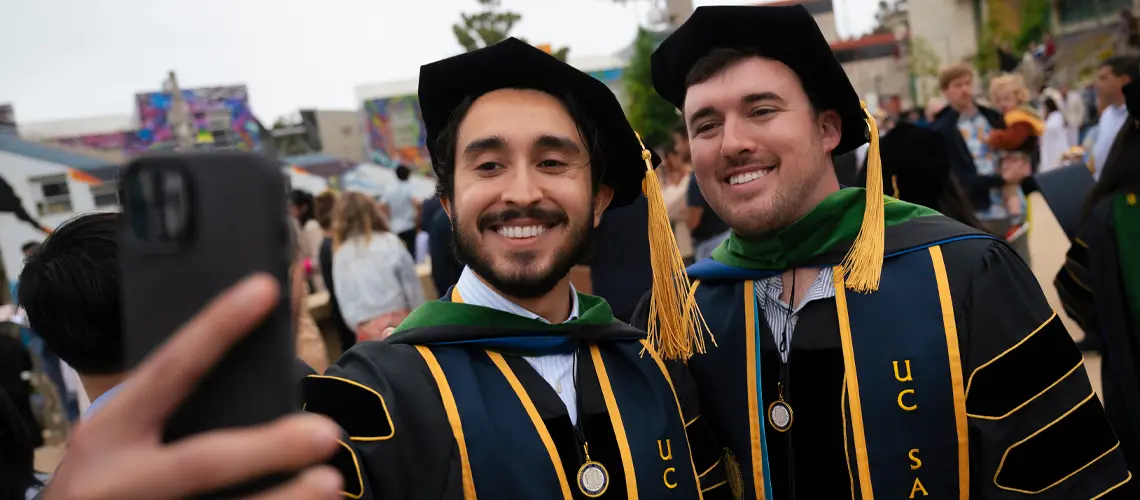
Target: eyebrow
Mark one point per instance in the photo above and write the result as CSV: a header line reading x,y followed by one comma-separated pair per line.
x,y
558,143
479,146
748,99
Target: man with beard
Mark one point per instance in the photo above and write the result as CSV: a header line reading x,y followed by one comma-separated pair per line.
x,y
513,385
927,361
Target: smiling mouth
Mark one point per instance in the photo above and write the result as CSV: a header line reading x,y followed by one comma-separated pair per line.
x,y
522,232
747,177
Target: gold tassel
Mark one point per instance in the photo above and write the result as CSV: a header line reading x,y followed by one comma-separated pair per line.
x,y
864,261
676,327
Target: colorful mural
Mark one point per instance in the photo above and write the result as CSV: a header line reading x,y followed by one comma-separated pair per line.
x,y
155,132
125,142
396,132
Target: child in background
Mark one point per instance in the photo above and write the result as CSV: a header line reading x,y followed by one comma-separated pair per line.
x,y
1023,131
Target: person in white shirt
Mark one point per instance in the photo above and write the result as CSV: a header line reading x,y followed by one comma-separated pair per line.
x,y
1074,112
1111,78
1054,142
402,207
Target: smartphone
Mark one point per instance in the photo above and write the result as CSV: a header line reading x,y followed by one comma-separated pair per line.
x,y
195,224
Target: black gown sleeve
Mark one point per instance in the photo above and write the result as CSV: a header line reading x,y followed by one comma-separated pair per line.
x,y
717,469
397,442
1074,282
1036,428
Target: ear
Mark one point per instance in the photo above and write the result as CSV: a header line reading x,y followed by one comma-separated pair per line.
x,y
602,201
830,131
445,202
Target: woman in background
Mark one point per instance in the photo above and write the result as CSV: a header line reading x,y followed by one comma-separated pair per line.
x,y
374,276
1055,140
325,203
303,210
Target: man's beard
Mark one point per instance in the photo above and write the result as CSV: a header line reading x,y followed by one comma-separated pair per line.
x,y
524,280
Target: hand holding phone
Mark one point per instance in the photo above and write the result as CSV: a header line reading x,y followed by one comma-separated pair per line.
x,y
118,452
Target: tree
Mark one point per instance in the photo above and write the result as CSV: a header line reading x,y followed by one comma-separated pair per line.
x,y
891,16
924,67
649,113
489,26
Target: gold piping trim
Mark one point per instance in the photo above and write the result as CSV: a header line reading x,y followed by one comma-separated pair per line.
x,y
753,404
866,490
536,419
715,486
1076,279
1007,351
1038,431
1105,492
455,297
359,476
710,469
1081,242
615,419
843,414
1043,391
452,418
680,413
391,426
955,357
687,424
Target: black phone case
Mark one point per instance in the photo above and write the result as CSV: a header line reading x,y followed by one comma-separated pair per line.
x,y
238,226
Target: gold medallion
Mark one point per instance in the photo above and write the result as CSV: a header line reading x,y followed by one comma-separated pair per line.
x,y
780,415
593,480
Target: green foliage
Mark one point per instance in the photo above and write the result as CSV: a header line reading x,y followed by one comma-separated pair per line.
x,y
489,26
986,60
1035,18
649,114
924,66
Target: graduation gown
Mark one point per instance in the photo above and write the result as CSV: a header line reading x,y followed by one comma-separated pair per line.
x,y
954,380
1099,286
447,408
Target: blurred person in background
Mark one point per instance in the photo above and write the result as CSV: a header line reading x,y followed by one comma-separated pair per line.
x,y
18,477
309,345
15,380
303,209
69,290
674,173
1099,284
325,203
445,265
373,272
1074,112
1055,141
1111,77
402,208
52,366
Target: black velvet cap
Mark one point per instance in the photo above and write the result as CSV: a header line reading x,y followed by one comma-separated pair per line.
x,y
513,64
787,34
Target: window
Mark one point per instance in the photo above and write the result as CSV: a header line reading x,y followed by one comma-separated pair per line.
x,y
106,195
54,195
1072,11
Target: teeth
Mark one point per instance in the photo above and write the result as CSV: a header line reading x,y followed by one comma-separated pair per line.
x,y
520,232
747,177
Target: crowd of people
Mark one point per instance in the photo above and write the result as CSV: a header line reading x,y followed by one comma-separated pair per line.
x,y
780,222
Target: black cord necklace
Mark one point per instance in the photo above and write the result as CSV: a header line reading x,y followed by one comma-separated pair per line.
x,y
780,414
593,478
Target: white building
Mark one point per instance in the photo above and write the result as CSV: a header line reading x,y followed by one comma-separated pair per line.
x,y
75,127
53,185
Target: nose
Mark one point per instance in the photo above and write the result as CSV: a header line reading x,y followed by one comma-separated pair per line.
x,y
736,141
522,187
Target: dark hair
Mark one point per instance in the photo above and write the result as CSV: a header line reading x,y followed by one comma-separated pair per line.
x,y
669,146
17,452
304,201
446,143
30,246
1050,106
70,291
1120,174
323,206
720,58
403,172
1124,66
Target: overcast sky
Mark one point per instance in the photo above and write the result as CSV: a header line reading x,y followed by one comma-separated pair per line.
x,y
76,58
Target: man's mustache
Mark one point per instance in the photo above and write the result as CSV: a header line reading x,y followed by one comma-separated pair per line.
x,y
538,214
